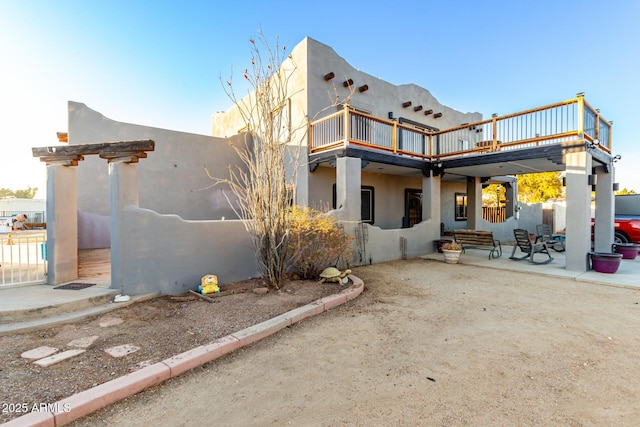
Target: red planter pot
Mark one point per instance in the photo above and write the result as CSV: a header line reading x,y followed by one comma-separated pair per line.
x,y
603,262
628,250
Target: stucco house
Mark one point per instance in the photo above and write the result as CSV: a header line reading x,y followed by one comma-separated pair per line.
x,y
396,166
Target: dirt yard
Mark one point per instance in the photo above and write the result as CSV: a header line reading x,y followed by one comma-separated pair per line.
x,y
161,328
426,344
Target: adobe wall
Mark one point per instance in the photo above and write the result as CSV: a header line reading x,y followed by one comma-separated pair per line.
x,y
171,179
168,254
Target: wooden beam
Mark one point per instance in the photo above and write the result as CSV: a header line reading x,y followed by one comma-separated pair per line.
x,y
122,156
67,160
96,148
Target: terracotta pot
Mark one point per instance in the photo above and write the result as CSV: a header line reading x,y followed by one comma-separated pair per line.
x,y
603,262
451,257
628,250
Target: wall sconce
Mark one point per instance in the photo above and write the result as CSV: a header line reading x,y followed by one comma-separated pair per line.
x,y
406,104
418,108
427,112
616,158
592,179
616,186
437,115
363,88
329,76
347,83
391,115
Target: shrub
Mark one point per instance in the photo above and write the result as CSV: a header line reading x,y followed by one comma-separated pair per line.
x,y
316,241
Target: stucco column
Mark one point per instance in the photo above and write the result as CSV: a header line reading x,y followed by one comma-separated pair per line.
x,y
578,241
431,205
605,210
62,223
123,191
348,188
474,202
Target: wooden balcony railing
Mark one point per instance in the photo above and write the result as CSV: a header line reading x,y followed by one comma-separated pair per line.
x,y
569,120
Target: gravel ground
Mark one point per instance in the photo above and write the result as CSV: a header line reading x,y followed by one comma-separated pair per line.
x,y
161,327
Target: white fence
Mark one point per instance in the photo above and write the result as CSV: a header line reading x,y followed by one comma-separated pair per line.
x,y
23,258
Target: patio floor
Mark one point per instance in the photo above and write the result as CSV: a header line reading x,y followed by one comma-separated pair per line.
x,y
628,274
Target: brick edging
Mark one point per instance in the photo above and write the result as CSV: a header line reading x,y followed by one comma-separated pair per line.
x,y
84,403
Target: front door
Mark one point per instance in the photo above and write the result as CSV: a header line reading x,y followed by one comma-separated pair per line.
x,y
412,207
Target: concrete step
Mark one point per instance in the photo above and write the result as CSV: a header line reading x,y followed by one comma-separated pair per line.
x,y
26,325
39,301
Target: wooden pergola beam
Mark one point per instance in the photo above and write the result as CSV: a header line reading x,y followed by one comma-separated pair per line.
x,y
111,149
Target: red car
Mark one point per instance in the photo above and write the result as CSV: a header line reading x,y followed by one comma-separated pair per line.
x,y
627,218
627,229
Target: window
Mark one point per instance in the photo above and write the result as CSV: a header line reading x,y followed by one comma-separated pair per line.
x,y
461,206
367,203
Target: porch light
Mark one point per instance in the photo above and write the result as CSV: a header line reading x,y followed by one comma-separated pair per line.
x,y
616,186
329,76
427,112
437,115
418,108
406,104
347,83
592,179
363,88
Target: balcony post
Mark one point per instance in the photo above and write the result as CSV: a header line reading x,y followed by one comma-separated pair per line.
x,y
394,138
494,143
347,125
581,115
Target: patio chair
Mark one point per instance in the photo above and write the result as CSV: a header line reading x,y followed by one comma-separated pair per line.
x,y
529,248
553,241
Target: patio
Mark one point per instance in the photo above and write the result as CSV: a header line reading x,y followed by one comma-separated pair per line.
x,y
628,275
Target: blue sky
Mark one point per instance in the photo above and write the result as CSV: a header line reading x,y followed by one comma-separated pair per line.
x,y
158,63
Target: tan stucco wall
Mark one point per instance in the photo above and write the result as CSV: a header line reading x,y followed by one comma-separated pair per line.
x,y
388,194
171,178
312,97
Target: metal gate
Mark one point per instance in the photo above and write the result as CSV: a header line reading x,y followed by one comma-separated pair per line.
x,y
23,258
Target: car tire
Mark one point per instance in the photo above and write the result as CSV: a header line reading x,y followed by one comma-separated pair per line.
x,y
620,237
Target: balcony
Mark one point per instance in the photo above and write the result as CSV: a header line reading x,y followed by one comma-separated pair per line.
x,y
563,124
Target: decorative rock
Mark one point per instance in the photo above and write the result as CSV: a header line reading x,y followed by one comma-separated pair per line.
x,y
47,361
39,353
83,342
260,291
110,321
121,350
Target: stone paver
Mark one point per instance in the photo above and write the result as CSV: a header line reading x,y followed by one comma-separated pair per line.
x,y
83,342
110,321
121,350
39,353
48,361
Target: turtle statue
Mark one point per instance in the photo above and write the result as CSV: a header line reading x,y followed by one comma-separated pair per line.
x,y
332,274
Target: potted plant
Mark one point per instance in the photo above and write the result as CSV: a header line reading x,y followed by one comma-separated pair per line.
x,y
451,251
